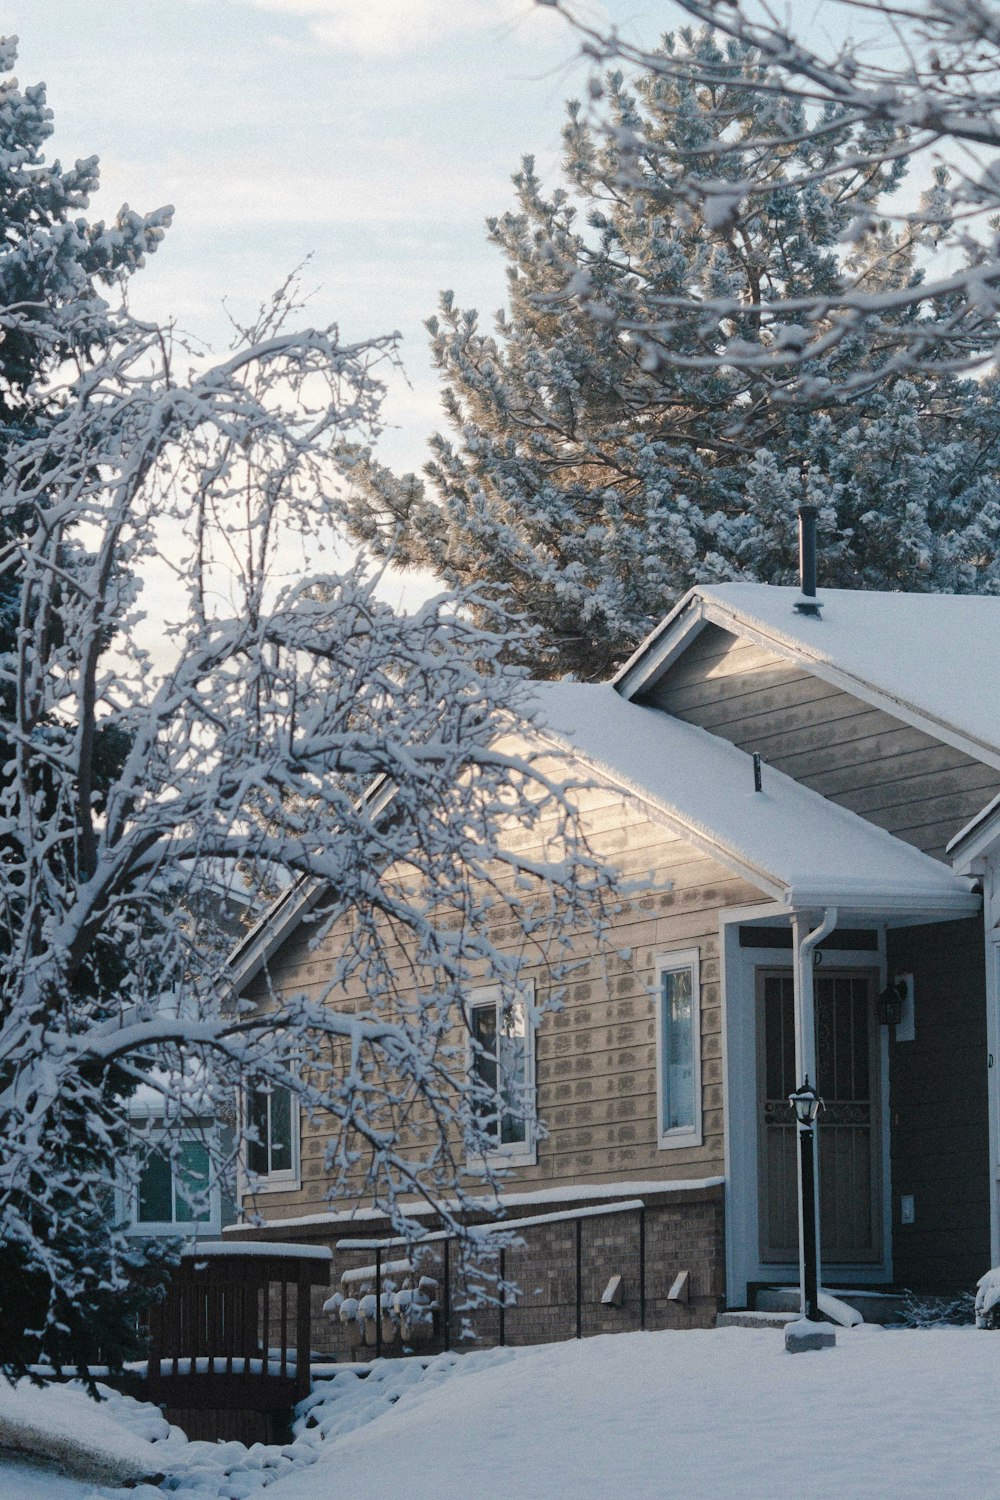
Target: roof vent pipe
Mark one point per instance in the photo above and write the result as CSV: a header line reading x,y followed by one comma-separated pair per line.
x,y
808,604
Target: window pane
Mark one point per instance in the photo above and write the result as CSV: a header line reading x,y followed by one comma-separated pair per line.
x,y
155,1190
484,1060
257,1159
281,1130
191,1192
512,1054
678,1051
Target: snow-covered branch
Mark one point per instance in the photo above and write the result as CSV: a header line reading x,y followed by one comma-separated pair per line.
x,y
896,84
282,726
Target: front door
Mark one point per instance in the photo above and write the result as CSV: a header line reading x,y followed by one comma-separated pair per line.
x,y
849,1125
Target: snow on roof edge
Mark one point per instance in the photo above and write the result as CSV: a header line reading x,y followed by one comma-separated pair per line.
x,y
684,757
608,1190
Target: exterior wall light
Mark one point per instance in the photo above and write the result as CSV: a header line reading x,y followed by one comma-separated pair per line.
x,y
890,1003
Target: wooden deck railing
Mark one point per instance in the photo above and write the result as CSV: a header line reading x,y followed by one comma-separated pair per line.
x,y
233,1332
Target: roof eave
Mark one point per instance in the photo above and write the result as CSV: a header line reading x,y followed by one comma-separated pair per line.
x,y
976,839
658,651
727,617
930,902
932,905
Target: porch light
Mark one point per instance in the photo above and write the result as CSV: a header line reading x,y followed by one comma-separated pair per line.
x,y
890,1003
806,1102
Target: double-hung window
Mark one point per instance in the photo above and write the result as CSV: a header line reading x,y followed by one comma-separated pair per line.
x,y
272,1147
502,1069
175,1188
678,1050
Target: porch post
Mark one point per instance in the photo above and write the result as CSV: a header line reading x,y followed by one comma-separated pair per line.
x,y
804,943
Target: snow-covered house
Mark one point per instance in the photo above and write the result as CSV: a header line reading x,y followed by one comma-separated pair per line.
x,y
858,856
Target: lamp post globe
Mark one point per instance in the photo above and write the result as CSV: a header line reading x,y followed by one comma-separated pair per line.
x,y
805,1102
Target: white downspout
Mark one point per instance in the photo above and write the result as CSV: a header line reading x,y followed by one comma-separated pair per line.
x,y
805,1011
805,1042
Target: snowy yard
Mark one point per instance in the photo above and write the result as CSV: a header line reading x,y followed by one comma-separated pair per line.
x,y
695,1415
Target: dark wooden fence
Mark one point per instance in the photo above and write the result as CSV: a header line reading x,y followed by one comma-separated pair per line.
x,y
230,1344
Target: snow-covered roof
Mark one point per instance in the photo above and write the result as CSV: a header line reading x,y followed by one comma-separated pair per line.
x,y
930,655
786,839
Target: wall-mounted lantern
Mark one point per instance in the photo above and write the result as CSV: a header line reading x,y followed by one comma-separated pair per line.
x,y
890,1003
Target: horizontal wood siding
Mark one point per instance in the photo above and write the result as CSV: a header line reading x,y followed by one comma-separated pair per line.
x,y
897,777
938,1110
596,1056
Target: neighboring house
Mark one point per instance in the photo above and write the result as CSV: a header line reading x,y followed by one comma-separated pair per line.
x,y
775,919
178,1188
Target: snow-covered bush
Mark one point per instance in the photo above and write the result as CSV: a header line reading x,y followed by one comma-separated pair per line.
x,y
923,1311
987,1303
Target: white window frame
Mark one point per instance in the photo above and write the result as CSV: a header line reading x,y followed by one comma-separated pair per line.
x,y
177,1227
513,1153
286,1179
672,963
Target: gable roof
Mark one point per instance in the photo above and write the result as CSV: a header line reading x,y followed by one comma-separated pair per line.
x,y
787,840
931,660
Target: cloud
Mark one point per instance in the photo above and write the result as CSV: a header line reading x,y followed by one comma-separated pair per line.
x,y
393,181
381,27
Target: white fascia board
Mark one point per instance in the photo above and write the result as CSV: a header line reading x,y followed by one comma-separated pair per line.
x,y
729,619
932,906
272,929
662,648
977,838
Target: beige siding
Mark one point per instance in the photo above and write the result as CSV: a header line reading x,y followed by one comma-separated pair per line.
x,y
903,780
595,1057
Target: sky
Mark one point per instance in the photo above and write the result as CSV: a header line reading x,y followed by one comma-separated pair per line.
x,y
373,136
365,141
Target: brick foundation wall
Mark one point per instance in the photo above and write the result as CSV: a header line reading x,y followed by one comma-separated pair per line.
x,y
682,1231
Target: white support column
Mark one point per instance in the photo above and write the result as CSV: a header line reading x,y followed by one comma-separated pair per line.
x,y
804,944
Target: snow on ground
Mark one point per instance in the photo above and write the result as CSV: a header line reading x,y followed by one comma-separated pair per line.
x,y
23,1479
64,1425
659,1416
686,1416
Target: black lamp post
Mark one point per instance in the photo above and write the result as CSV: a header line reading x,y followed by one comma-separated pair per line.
x,y
806,1102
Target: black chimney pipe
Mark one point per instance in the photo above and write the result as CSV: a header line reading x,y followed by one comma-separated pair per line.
x,y
808,604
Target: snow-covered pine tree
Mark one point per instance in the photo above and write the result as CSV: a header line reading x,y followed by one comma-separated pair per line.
x,y
604,455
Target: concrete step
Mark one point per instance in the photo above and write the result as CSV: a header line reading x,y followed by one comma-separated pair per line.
x,y
750,1319
874,1307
